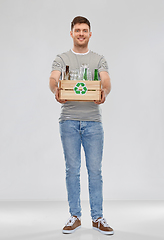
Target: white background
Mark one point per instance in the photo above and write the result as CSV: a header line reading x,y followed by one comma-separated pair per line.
x,y
130,34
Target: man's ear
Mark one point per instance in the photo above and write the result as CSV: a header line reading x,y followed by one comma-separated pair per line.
x,y
71,34
90,34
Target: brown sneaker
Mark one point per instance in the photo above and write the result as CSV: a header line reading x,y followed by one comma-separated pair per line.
x,y
101,225
72,225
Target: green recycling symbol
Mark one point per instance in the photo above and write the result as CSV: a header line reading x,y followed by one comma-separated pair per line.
x,y
80,88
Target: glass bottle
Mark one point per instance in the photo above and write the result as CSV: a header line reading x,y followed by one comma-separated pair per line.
x,y
96,75
67,74
85,74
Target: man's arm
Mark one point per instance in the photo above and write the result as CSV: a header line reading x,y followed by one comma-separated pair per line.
x,y
53,83
106,86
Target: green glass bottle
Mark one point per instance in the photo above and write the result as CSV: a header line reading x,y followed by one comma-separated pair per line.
x,y
85,74
96,75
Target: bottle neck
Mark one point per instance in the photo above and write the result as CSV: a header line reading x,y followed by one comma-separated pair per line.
x,y
96,75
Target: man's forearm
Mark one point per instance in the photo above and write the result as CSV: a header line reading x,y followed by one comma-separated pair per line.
x,y
53,84
107,88
106,82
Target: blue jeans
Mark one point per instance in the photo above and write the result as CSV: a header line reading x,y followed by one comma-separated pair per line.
x,y
90,135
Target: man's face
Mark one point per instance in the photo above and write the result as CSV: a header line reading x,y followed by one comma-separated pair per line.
x,y
81,34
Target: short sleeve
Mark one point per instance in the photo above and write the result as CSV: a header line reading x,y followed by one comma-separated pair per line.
x,y
103,65
57,64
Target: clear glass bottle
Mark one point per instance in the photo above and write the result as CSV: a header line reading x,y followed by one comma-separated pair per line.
x,y
89,75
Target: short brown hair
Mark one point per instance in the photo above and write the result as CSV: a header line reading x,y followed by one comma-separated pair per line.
x,y
80,19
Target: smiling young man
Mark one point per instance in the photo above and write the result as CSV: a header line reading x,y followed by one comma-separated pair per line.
x,y
81,35
81,125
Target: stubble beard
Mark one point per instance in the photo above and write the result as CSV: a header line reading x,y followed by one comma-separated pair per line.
x,y
82,46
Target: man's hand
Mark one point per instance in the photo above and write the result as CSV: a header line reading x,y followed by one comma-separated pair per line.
x,y
103,97
57,96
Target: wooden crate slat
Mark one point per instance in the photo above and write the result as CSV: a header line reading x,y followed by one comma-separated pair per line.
x,y
70,84
71,95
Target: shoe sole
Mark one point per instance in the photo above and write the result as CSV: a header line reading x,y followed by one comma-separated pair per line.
x,y
103,232
70,231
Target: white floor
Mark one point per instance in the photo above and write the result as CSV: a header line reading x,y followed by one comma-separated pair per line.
x,y
131,220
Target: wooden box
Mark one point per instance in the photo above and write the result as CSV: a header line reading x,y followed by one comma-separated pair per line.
x,y
79,90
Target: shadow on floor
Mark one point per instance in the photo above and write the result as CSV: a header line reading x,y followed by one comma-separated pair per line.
x,y
82,234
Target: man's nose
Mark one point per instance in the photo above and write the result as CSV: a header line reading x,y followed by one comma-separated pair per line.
x,y
81,32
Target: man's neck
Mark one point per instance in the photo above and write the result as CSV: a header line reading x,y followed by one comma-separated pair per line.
x,y
77,53
80,49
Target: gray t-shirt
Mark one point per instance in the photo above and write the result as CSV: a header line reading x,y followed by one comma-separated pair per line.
x,y
78,110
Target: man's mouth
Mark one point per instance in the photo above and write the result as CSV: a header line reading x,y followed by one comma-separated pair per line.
x,y
81,39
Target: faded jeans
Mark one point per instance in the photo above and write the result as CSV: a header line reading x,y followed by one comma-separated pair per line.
x,y
90,135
